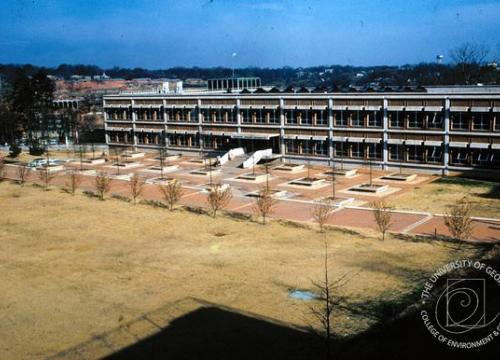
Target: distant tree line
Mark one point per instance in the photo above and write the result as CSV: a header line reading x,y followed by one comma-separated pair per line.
x,y
468,66
28,114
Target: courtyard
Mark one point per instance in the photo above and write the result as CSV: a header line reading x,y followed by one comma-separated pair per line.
x,y
418,202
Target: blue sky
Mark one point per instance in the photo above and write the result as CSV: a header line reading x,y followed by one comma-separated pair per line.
x,y
266,33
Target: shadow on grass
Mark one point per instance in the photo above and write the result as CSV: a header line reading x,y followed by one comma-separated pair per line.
x,y
211,331
215,333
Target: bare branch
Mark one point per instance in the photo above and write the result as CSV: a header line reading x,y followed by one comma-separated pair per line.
x,y
264,203
102,184
383,216
172,193
74,181
458,219
321,213
218,197
136,186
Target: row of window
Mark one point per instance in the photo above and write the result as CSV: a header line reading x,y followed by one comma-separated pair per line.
x,y
464,121
361,151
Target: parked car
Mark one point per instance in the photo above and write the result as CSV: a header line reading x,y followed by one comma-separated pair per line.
x,y
41,162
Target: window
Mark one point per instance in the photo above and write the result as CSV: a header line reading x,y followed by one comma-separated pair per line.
x,y
291,146
481,157
304,117
481,122
396,152
357,150
435,120
459,156
307,147
339,118
208,142
356,118
271,117
245,116
290,117
415,120
321,148
396,119
415,153
374,151
434,154
340,149
374,118
459,121
320,117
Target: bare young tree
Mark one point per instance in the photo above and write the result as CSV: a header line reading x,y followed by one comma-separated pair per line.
x,y
468,57
326,301
136,186
264,203
321,212
118,156
23,172
218,197
458,219
102,184
81,154
172,193
74,181
45,176
383,216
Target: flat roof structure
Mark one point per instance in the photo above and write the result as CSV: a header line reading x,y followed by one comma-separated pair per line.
x,y
436,129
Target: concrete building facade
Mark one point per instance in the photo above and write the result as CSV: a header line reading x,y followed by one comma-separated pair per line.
x,y
438,130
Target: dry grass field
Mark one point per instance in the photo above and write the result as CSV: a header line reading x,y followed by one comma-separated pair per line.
x,y
73,267
436,196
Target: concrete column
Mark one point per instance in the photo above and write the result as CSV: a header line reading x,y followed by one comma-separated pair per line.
x,y
385,136
106,135
282,128
446,143
165,126
200,127
134,119
330,130
238,116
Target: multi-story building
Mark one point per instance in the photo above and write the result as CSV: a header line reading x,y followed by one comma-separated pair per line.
x,y
440,129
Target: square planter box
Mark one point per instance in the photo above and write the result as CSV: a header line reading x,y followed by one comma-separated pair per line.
x,y
344,172
367,188
223,187
400,177
158,169
169,157
88,172
160,181
307,182
339,201
98,161
275,194
205,172
256,178
293,168
121,177
126,164
207,161
133,154
51,168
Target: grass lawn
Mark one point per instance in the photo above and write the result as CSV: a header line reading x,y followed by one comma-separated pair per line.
x,y
74,267
436,196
